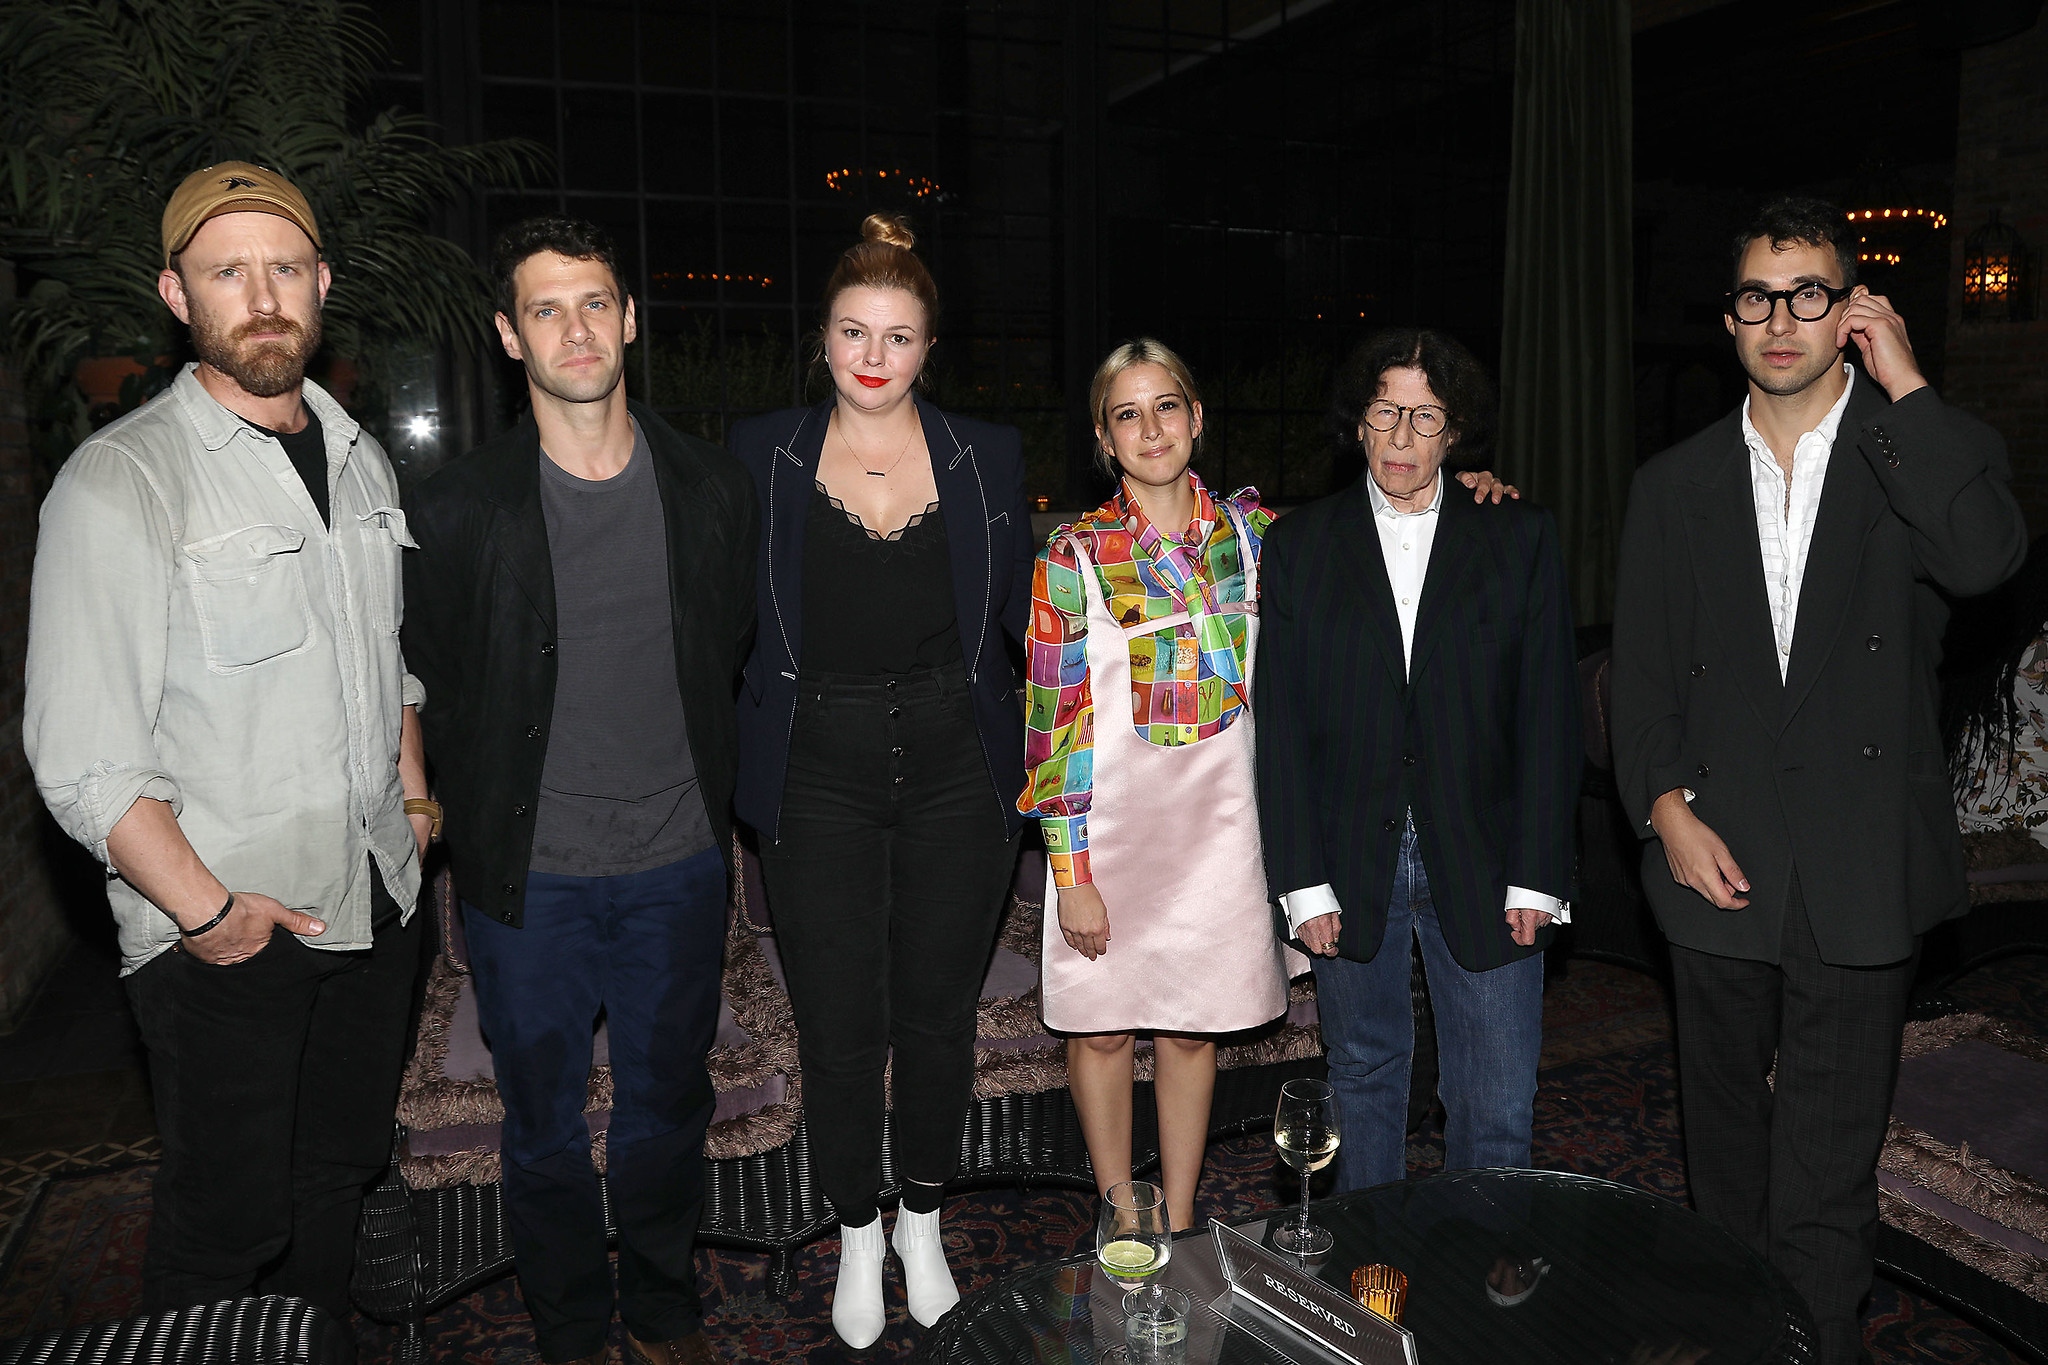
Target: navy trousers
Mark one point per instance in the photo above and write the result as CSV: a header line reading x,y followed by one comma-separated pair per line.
x,y
644,949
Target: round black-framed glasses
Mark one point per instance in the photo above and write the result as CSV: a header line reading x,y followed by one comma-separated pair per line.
x,y
1426,419
1809,302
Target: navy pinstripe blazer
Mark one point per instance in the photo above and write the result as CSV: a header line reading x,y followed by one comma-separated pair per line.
x,y
1482,744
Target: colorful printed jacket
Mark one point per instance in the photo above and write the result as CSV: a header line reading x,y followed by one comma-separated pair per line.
x,y
1186,680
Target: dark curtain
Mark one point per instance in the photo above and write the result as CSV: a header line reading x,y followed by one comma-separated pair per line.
x,y
1567,378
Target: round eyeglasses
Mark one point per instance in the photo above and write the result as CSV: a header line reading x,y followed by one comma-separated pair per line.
x,y
1808,302
1425,420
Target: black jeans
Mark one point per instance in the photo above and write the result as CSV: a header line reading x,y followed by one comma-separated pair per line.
x,y
276,1083
1792,1169
886,888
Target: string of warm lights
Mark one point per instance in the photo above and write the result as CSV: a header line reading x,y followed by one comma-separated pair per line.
x,y
1879,257
1928,217
671,276
915,186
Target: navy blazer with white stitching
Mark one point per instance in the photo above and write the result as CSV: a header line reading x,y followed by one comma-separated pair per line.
x,y
979,469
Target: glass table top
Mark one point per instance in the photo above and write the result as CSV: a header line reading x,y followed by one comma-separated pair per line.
x,y
1620,1276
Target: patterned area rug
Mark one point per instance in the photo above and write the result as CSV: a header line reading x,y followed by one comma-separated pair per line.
x,y
1607,1106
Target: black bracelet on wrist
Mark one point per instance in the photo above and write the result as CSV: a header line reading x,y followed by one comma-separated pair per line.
x,y
213,923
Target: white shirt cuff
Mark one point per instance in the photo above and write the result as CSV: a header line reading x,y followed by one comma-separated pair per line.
x,y
1309,902
1521,897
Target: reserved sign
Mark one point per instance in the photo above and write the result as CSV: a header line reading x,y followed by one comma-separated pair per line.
x,y
1304,1303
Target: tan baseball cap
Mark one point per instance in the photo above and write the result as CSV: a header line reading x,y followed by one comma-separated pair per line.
x,y
232,187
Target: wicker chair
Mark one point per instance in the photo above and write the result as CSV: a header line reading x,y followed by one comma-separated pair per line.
x,y
260,1331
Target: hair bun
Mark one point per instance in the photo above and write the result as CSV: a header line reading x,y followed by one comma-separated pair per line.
x,y
890,228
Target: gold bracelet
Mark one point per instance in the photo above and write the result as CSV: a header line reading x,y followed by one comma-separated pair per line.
x,y
419,805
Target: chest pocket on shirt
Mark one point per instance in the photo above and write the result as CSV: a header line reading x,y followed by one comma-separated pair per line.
x,y
385,537
249,593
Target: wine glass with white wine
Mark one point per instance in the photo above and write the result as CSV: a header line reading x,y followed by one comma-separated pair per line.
x,y
1133,1237
1305,1131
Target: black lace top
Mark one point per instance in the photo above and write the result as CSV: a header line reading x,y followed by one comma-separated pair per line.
x,y
874,604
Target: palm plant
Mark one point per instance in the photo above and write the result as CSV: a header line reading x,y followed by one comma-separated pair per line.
x,y
105,105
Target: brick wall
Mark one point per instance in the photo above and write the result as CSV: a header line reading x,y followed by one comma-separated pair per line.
x,y
32,928
2000,370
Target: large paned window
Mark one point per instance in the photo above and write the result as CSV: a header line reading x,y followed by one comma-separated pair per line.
x,y
1272,180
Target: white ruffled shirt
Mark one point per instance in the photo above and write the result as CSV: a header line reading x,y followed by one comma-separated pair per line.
x,y
1785,512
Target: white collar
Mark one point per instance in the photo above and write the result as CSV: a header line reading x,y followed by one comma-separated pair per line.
x,y
1382,506
1829,424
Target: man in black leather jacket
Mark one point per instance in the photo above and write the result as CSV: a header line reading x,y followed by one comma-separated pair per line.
x,y
580,605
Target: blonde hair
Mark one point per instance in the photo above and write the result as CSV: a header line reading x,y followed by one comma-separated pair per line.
x,y
882,259
1138,351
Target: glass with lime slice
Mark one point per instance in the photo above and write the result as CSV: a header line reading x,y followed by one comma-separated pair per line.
x,y
1133,1237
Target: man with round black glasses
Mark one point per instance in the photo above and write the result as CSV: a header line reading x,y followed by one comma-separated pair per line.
x,y
1777,624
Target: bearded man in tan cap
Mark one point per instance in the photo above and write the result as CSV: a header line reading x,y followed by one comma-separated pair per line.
x,y
217,708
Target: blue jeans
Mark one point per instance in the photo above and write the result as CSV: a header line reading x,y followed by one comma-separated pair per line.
x,y
1489,1032
644,948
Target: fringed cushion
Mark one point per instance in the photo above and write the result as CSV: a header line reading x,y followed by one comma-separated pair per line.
x,y
1965,1163
2006,865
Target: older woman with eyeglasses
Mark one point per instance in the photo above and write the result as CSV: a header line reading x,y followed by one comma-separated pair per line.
x,y
1419,760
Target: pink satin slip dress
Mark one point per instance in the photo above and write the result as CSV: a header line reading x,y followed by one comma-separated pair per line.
x,y
1173,847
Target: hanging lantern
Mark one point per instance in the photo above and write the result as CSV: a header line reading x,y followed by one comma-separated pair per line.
x,y
1996,280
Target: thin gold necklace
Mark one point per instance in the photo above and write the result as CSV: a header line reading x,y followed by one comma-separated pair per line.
x,y
876,473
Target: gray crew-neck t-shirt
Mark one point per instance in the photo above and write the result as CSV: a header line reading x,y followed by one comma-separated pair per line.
x,y
618,790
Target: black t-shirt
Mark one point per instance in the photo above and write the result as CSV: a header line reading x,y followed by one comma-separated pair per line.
x,y
307,451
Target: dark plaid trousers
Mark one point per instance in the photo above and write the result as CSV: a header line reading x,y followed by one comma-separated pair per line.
x,y
1792,1171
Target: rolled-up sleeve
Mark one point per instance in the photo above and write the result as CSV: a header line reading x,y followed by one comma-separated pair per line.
x,y
99,620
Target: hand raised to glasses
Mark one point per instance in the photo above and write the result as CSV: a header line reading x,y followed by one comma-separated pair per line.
x,y
1880,334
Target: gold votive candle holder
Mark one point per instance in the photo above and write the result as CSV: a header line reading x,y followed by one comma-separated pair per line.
x,y
1380,1288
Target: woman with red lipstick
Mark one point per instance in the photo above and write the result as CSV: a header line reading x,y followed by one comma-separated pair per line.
x,y
1138,742
880,749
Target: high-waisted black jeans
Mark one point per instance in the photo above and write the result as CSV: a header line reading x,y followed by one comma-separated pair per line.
x,y
886,887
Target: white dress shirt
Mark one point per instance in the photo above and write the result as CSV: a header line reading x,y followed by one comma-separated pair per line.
x,y
1405,542
1785,512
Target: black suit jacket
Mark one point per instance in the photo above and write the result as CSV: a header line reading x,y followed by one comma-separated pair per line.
x,y
979,469
1482,745
1838,768
480,628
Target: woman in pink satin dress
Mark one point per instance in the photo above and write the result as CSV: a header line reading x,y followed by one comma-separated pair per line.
x,y
1139,757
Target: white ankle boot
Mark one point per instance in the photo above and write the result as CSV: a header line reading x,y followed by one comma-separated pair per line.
x,y
927,1282
857,1314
